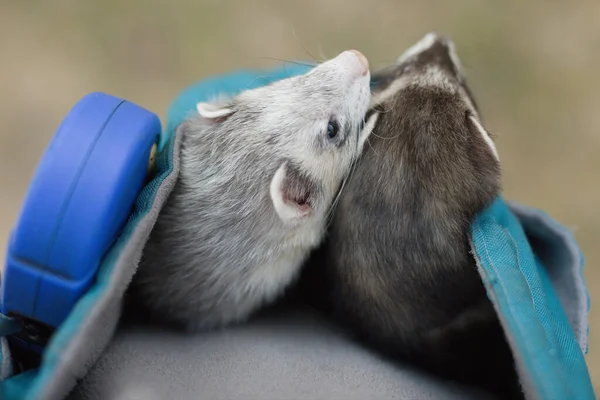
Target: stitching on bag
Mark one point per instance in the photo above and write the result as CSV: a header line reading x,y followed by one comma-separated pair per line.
x,y
529,286
512,311
514,242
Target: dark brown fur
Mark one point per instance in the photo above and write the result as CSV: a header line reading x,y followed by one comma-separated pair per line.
x,y
397,263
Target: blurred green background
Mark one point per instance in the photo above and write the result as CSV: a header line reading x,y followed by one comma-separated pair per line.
x,y
533,66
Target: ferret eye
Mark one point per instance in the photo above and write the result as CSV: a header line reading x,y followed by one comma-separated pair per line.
x,y
332,129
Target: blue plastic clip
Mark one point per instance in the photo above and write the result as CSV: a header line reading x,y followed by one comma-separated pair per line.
x,y
78,201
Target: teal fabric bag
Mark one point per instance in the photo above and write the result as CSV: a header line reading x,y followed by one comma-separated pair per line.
x,y
532,269
531,265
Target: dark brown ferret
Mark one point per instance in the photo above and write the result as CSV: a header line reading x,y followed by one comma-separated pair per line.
x,y
396,265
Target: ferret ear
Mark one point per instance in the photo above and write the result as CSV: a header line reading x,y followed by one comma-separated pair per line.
x,y
213,112
292,194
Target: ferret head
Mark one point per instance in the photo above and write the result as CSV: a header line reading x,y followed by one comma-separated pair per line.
x,y
424,112
298,136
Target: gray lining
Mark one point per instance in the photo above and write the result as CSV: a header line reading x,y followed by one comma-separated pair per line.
x,y
295,355
6,369
564,268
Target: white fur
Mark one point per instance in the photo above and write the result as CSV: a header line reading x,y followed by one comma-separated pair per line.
x,y
418,47
268,280
470,104
434,75
390,91
486,137
366,132
212,111
454,55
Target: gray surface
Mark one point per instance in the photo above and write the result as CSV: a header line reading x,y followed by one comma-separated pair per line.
x,y
291,356
6,367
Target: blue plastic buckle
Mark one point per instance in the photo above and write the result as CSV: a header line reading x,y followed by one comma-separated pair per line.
x,y
78,201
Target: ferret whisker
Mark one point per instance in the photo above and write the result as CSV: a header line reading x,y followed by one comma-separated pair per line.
x,y
328,216
305,49
371,146
380,108
321,52
335,202
368,137
258,78
386,138
351,170
305,64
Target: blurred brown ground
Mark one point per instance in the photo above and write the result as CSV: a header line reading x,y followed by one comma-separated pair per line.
x,y
533,66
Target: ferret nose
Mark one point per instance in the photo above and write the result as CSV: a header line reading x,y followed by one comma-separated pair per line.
x,y
362,64
363,60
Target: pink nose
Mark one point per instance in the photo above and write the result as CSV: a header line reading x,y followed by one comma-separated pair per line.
x,y
363,63
363,60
